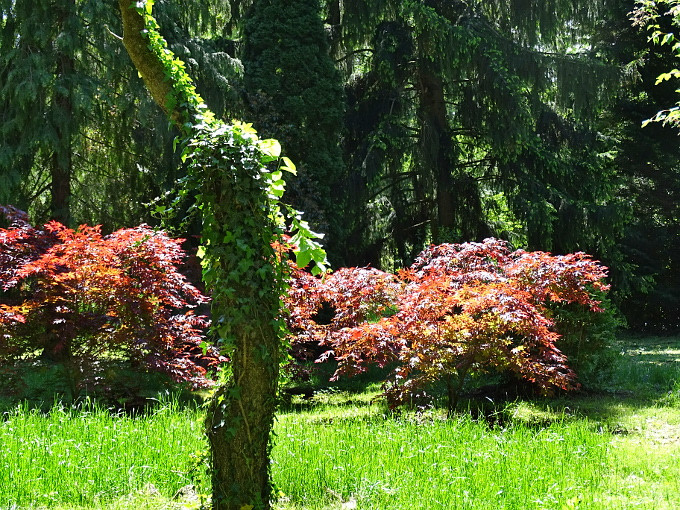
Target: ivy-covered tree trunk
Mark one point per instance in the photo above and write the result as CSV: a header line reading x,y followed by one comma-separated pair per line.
x,y
242,273
240,267
240,419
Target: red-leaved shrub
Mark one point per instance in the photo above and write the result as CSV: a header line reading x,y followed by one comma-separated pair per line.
x,y
79,298
459,309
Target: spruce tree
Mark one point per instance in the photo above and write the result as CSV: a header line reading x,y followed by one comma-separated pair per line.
x,y
79,138
499,103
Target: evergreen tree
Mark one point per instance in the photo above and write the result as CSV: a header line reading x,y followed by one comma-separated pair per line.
x,y
80,140
295,95
647,162
489,108
42,98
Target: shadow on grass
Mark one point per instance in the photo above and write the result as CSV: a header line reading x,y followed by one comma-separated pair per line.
x,y
120,388
358,390
646,374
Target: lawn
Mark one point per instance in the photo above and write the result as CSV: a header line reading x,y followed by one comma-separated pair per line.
x,y
618,447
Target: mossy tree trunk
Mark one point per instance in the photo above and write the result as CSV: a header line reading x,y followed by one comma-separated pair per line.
x,y
239,267
239,423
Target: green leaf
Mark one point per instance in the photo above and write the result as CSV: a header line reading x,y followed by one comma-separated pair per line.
x,y
302,258
319,269
278,188
270,147
288,166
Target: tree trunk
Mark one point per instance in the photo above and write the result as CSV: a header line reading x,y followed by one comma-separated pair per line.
x,y
239,423
437,148
62,113
241,412
458,214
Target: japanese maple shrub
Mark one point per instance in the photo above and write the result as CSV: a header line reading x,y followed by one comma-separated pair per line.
x,y
79,299
459,309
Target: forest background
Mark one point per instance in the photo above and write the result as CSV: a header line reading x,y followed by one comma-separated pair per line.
x,y
411,122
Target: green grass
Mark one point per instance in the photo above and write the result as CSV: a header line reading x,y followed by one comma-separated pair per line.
x,y
434,463
87,457
616,447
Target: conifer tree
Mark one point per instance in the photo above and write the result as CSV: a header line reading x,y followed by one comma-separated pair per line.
x,y
294,94
79,138
500,100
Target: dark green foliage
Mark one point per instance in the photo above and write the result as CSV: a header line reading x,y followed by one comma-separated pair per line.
x,y
42,97
377,143
123,386
79,140
471,119
649,175
587,339
295,95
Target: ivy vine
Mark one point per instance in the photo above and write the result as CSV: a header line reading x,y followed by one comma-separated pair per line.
x,y
235,182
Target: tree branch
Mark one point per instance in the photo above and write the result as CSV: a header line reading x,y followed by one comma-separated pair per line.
x,y
146,61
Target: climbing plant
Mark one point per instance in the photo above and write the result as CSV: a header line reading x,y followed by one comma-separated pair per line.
x,y
235,181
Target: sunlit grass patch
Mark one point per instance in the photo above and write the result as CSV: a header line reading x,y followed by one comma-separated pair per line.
x,y
340,448
459,463
87,456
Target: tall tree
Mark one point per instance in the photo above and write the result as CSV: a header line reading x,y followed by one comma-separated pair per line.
x,y
648,162
294,94
41,95
488,107
62,108
240,212
79,139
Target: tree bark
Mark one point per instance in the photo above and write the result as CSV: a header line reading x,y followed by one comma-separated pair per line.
x,y
241,412
147,64
239,422
437,148
61,161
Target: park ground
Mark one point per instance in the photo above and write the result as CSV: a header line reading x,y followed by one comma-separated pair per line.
x,y
616,446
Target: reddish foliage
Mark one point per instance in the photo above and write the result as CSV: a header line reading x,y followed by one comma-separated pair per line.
x,y
325,310
77,296
459,309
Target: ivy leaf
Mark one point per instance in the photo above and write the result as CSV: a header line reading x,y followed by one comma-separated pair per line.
x,y
302,258
271,148
288,166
